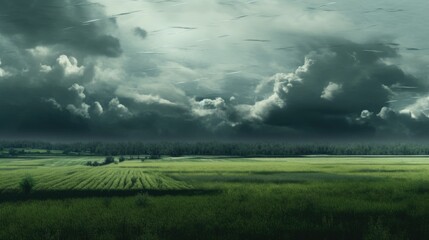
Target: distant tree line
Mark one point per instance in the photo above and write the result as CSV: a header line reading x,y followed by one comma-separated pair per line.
x,y
154,150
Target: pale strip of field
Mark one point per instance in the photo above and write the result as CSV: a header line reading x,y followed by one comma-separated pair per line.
x,y
339,165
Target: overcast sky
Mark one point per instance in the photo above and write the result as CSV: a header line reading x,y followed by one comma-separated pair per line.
x,y
214,69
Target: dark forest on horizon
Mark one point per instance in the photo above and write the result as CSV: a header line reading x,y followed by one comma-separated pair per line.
x,y
177,149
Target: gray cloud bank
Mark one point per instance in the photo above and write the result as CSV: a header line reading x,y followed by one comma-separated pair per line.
x,y
88,70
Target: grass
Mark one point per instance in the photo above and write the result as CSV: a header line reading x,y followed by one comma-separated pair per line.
x,y
216,198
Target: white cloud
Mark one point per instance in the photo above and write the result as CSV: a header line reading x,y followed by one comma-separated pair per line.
x,y
39,51
417,110
365,114
78,89
109,72
260,109
97,108
212,104
54,103
143,98
118,108
3,73
45,68
331,91
82,111
213,112
70,66
385,113
150,99
208,107
283,83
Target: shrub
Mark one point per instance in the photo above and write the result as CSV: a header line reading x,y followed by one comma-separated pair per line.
x,y
93,164
27,184
121,158
133,181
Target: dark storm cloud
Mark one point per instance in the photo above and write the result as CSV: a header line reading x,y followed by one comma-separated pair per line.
x,y
325,97
307,81
50,22
337,82
24,112
40,91
391,124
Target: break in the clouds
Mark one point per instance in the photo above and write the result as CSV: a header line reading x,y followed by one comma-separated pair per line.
x,y
214,69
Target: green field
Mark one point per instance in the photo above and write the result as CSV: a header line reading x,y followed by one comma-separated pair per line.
x,y
62,173
216,198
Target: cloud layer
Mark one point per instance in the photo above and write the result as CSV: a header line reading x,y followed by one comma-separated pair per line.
x,y
213,70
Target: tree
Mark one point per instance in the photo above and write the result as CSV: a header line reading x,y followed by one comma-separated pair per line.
x,y
27,184
121,158
109,160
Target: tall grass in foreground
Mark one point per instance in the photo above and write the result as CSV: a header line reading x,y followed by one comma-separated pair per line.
x,y
380,210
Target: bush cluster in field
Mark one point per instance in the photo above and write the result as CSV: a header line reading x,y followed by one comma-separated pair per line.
x,y
108,160
27,184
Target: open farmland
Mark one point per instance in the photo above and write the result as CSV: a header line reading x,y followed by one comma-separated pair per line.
x,y
70,173
217,198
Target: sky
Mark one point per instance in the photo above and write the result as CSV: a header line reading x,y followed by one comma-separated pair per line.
x,y
214,69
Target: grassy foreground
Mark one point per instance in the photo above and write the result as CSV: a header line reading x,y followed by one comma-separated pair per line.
x,y
216,198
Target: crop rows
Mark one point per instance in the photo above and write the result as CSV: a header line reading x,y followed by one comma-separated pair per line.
x,y
89,178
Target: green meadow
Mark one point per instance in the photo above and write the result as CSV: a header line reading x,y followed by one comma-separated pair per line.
x,y
216,198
